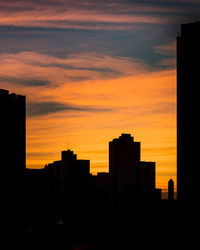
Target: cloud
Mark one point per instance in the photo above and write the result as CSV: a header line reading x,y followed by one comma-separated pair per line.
x,y
45,108
36,69
168,49
169,63
164,107
77,20
24,81
96,15
87,14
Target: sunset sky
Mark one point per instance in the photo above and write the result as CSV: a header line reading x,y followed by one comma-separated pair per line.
x,y
92,70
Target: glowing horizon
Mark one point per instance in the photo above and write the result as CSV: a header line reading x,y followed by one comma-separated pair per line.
x,y
92,70
88,131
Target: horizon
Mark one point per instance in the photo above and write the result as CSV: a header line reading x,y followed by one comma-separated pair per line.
x,y
91,71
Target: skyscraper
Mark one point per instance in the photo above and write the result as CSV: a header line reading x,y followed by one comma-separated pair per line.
x,y
124,163
12,151
130,178
70,180
13,135
188,79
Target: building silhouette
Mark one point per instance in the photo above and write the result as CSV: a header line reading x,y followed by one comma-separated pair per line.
x,y
36,200
12,153
64,192
67,191
100,192
170,189
188,78
13,133
130,179
68,180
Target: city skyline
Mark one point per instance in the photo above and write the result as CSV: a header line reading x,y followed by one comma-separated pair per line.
x,y
91,71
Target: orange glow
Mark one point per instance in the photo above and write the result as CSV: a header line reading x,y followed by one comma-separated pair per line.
x,y
139,101
143,105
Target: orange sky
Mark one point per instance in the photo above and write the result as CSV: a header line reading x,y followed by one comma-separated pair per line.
x,y
143,105
92,70
86,113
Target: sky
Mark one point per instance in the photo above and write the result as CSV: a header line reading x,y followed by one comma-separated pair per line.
x,y
92,70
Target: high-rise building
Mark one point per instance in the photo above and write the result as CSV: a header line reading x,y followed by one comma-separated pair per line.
x,y
13,133
130,179
188,79
69,178
124,164
13,137
12,150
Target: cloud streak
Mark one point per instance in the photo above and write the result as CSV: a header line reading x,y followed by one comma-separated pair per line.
x,y
91,14
36,69
168,49
24,81
45,108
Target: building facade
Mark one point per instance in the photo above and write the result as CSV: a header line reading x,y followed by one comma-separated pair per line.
x,y
188,79
12,152
130,179
13,132
68,181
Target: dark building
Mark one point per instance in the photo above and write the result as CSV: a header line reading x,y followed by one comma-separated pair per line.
x,y
148,173
99,192
69,182
13,133
188,78
130,179
170,189
12,151
148,190
36,199
124,164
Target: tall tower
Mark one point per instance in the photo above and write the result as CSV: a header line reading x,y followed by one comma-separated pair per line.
x,y
124,165
188,79
13,132
12,151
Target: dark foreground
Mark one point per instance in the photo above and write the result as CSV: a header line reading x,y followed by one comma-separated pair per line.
x,y
158,225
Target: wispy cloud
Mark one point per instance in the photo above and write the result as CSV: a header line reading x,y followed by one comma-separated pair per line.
x,y
36,69
45,108
24,81
168,49
169,63
75,20
89,14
